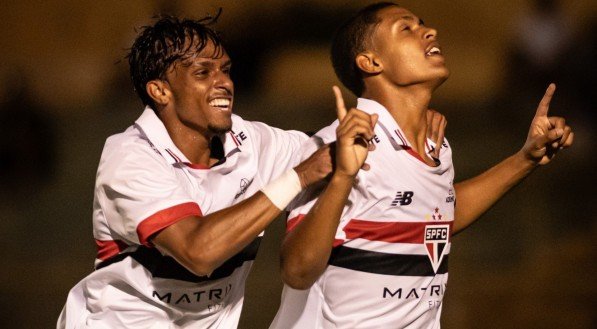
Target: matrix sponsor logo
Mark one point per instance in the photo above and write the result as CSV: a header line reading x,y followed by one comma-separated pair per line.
x,y
403,198
433,294
436,239
199,296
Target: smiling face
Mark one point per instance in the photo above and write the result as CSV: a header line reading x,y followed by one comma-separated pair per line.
x,y
202,91
407,50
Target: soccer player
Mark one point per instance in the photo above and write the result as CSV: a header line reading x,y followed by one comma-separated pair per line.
x,y
184,194
370,249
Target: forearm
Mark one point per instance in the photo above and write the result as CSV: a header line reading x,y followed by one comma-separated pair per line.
x,y
307,248
202,244
476,195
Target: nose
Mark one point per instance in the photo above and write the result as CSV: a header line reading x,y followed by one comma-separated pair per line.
x,y
224,82
431,33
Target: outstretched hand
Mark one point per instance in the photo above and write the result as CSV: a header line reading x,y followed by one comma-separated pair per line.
x,y
352,137
547,135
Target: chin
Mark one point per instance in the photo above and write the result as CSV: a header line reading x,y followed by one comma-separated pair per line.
x,y
221,128
441,78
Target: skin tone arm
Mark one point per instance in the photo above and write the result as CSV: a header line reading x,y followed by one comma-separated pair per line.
x,y
202,244
547,135
306,249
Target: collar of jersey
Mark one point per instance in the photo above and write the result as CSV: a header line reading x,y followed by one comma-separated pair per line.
x,y
156,132
386,122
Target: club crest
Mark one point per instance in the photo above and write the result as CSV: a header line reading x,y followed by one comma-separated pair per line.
x,y
436,240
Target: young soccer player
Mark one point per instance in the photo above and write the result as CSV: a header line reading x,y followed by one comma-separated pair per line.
x,y
183,195
371,249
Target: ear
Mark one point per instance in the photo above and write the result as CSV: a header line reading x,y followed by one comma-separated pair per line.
x,y
159,91
369,63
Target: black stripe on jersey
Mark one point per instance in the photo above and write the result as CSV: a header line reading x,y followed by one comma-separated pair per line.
x,y
167,268
384,263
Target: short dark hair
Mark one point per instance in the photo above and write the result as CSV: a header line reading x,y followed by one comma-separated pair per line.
x,y
351,39
170,39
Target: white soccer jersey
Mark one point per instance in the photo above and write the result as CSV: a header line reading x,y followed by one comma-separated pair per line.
x,y
144,184
388,267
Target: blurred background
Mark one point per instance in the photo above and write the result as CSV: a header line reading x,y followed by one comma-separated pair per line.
x,y
530,262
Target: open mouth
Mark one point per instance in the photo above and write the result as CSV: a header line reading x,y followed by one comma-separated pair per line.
x,y
433,51
221,103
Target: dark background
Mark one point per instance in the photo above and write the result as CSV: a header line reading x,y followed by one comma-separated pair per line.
x,y
64,88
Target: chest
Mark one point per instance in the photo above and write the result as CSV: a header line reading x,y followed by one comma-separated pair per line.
x,y
224,184
399,186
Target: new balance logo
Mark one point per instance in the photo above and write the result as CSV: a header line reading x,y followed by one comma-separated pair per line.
x,y
403,198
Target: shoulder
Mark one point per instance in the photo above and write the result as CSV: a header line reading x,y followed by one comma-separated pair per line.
x,y
129,153
260,129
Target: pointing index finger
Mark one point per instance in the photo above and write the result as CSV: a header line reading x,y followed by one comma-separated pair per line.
x,y
544,104
340,108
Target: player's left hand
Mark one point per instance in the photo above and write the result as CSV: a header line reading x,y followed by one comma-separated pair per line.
x,y
547,135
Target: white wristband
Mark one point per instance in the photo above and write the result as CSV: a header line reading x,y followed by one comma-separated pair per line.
x,y
283,189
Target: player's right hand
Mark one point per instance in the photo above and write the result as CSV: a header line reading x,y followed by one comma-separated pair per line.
x,y
436,128
353,137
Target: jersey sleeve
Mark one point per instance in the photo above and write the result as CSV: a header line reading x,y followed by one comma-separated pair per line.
x,y
277,149
140,194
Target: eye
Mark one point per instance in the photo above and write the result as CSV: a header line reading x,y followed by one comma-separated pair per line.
x,y
201,73
226,70
405,28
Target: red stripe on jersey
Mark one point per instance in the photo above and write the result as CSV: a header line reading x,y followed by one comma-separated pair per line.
x,y
337,242
164,218
402,139
234,139
177,159
109,248
196,165
407,148
413,153
291,223
394,232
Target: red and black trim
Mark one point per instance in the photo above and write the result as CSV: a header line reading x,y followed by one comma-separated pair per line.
x,y
385,263
166,267
109,248
176,158
392,232
164,218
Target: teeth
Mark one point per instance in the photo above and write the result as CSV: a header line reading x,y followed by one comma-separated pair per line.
x,y
433,51
220,102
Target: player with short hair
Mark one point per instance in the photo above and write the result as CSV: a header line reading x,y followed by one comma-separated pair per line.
x,y
183,195
370,249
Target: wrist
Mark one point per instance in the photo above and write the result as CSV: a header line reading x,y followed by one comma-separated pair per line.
x,y
525,160
283,189
303,177
341,178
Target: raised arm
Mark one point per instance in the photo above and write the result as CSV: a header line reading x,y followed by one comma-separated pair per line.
x,y
202,244
547,135
306,249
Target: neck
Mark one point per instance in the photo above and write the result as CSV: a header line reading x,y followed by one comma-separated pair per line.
x,y
194,145
408,106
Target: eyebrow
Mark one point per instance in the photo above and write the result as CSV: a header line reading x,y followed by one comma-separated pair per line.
x,y
411,18
209,62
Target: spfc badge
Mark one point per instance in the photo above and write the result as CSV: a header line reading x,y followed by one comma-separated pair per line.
x,y
436,240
